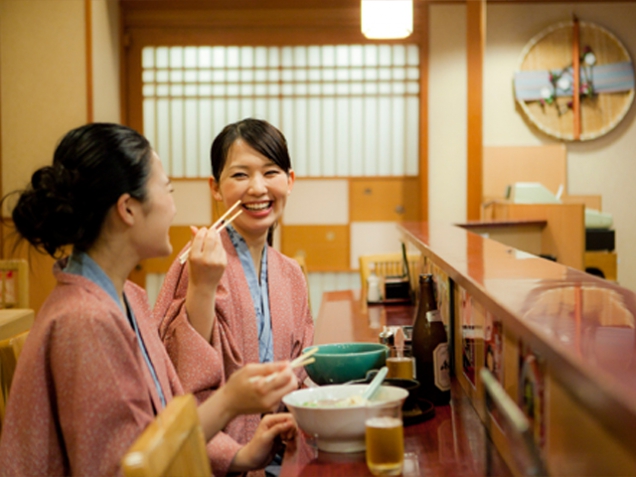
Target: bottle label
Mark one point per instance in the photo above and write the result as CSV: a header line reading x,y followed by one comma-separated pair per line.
x,y
433,316
442,367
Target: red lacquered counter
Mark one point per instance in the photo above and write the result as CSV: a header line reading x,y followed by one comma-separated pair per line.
x,y
452,443
577,329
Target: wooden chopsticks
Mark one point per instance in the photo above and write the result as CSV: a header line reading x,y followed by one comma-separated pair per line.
x,y
218,225
302,360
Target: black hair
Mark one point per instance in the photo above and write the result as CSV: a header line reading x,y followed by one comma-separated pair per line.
x,y
259,135
66,203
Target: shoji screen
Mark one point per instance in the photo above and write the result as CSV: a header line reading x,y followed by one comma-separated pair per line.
x,y
346,110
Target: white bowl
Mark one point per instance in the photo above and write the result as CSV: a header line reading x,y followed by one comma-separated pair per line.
x,y
338,429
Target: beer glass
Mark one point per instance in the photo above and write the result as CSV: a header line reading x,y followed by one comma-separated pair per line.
x,y
401,363
384,437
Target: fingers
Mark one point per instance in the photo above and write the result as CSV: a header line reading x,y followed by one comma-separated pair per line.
x,y
281,424
261,386
204,240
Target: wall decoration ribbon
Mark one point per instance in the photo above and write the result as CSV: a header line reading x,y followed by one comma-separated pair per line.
x,y
568,57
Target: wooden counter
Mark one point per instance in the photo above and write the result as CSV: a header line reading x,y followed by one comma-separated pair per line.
x,y
560,341
452,443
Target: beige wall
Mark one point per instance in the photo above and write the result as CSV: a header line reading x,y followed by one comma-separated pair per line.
x,y
43,91
447,105
105,56
42,81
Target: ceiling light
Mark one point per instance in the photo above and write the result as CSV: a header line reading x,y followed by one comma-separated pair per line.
x,y
382,19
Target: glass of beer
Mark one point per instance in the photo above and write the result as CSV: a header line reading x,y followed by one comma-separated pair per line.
x,y
401,363
385,438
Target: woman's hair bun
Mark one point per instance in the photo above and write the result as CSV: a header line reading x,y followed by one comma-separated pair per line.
x,y
47,214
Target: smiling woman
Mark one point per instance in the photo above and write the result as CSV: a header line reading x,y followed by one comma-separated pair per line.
x,y
259,296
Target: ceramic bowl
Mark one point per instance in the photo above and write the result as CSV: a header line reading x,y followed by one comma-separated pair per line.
x,y
337,429
343,362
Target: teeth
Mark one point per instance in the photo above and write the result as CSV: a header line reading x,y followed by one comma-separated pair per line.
x,y
257,206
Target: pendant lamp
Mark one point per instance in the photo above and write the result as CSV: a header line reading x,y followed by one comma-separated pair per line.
x,y
383,19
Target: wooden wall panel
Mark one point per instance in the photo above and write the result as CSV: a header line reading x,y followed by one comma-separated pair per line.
x,y
194,202
384,199
307,205
505,165
325,247
578,443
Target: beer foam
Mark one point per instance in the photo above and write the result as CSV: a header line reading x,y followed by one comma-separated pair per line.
x,y
384,422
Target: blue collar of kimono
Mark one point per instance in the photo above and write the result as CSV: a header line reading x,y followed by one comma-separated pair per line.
x,y
259,292
80,263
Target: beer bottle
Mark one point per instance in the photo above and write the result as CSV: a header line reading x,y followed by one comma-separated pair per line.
x,y
430,346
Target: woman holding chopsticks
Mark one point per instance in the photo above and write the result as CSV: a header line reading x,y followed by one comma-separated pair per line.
x,y
259,296
93,372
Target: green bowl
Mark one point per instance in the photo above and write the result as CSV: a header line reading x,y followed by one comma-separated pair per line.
x,y
342,362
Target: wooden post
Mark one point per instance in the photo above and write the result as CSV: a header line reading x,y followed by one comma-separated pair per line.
x,y
576,73
423,142
475,39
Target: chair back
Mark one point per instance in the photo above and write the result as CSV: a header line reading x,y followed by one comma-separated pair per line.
x,y
172,445
387,265
10,350
14,283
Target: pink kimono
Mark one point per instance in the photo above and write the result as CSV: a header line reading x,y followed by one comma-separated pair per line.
x,y
82,392
203,367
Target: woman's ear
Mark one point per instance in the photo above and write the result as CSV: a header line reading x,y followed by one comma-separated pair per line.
x,y
214,188
126,208
291,177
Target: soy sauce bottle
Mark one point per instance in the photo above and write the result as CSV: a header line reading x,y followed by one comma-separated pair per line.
x,y
430,346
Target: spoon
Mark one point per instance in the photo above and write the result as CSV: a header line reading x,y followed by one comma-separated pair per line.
x,y
375,384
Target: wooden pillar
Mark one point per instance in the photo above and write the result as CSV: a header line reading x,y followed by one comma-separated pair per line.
x,y
423,136
476,39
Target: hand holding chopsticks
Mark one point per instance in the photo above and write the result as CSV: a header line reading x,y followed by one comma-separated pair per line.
x,y
218,225
302,360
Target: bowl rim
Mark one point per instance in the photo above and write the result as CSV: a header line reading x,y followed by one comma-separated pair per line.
x,y
381,347
358,406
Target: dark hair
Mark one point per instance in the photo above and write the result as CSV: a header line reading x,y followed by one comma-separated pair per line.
x,y
259,135
66,202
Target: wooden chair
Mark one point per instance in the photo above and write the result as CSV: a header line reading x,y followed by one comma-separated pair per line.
x,y
10,350
389,264
14,283
172,445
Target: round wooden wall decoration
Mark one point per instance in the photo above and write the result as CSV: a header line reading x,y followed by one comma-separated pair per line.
x,y
547,77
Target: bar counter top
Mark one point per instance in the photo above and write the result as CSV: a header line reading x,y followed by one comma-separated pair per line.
x,y
581,324
453,442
